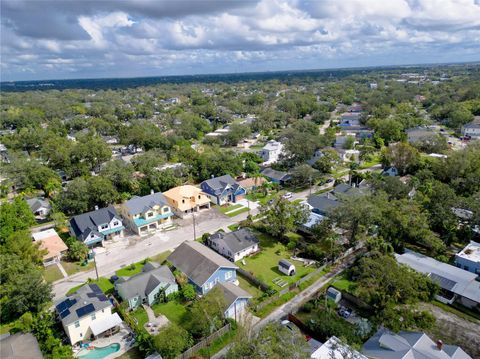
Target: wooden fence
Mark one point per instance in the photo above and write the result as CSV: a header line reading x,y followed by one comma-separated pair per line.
x,y
253,280
204,343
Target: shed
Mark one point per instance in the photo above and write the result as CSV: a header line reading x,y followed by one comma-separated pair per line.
x,y
286,267
334,294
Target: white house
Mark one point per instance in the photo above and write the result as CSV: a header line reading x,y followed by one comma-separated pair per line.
x,y
87,314
271,152
469,258
472,129
234,245
334,348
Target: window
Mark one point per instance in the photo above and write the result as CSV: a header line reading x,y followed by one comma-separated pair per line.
x,y
199,197
77,324
103,310
115,223
104,226
150,214
92,235
165,210
93,316
228,275
183,201
81,335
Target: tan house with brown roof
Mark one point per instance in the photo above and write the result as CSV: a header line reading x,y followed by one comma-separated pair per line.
x,y
51,242
186,199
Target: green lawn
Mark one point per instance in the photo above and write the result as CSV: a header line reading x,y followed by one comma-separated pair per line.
x,y
217,344
237,212
244,284
133,353
52,273
173,310
72,268
224,209
136,268
141,316
105,285
255,196
264,265
5,327
344,284
233,227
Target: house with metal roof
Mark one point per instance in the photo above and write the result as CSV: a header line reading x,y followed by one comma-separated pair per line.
x,y
147,214
334,348
20,346
236,300
409,345
93,227
146,286
52,244
87,314
203,267
222,190
234,245
271,152
456,284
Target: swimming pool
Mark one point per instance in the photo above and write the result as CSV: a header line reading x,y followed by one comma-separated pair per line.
x,y
99,353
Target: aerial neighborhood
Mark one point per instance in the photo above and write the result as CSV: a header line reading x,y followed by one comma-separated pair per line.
x,y
192,219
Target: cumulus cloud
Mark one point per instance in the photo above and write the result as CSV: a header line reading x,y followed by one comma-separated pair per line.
x,y
52,38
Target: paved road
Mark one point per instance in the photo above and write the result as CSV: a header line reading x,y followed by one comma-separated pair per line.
x,y
132,249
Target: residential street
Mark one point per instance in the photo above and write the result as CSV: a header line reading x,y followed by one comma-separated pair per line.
x,y
129,250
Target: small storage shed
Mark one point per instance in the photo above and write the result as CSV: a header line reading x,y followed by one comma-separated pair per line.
x,y
334,294
286,267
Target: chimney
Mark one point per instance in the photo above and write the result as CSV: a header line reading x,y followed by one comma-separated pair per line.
x,y
96,208
439,344
152,191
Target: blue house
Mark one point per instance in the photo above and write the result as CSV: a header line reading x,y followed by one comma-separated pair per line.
x,y
223,189
203,267
236,300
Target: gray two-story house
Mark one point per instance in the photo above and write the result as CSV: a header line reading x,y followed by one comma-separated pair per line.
x,y
94,227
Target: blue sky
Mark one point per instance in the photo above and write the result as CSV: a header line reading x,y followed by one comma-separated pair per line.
x,y
55,39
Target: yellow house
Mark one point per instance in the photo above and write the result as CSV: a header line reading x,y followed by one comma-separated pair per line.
x,y
87,315
186,199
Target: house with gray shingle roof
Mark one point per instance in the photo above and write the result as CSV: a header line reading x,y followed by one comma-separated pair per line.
x,y
93,227
148,213
145,287
234,245
236,300
40,207
222,190
86,314
203,267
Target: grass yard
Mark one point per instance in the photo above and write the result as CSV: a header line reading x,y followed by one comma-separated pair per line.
x,y
173,310
244,284
237,212
264,265
217,344
5,327
141,316
233,227
73,267
133,353
52,273
259,197
344,284
224,209
136,268
105,285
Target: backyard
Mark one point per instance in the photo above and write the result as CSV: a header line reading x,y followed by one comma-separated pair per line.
x,y
103,283
264,265
173,310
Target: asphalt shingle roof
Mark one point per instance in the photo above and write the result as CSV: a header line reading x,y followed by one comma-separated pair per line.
x,y
324,203
231,293
197,261
277,175
218,184
235,241
88,222
138,205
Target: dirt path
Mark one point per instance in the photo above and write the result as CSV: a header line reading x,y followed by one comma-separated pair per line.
x,y
455,330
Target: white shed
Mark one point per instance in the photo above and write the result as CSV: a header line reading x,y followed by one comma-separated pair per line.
x,y
334,294
286,267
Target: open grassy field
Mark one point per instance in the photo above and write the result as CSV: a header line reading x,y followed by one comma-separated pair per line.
x,y
264,265
52,273
173,310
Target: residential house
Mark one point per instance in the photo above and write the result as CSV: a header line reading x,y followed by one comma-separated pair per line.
x,y
145,287
234,245
342,141
96,226
203,267
404,345
350,119
148,213
186,199
236,300
342,190
469,258
275,176
457,285
323,204
222,190
251,184
40,207
313,220
390,171
51,242
87,314
271,152
472,129
420,134
334,348
20,346
4,157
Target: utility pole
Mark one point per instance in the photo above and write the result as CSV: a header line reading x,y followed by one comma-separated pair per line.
x,y
95,263
194,230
